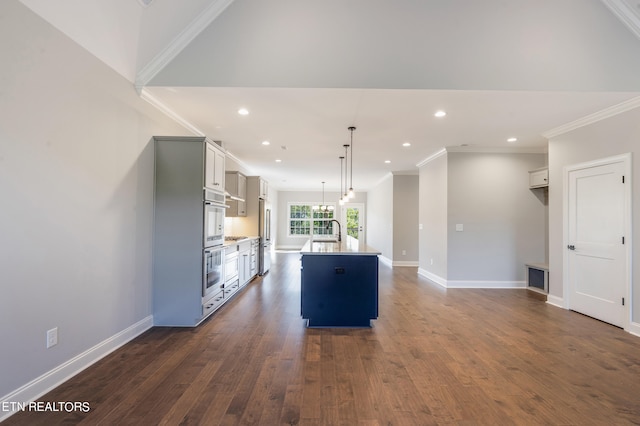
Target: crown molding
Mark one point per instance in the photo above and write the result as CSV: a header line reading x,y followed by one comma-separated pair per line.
x,y
432,157
186,36
499,149
144,94
626,14
593,118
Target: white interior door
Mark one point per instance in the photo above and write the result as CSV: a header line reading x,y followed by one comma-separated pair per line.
x,y
597,256
353,220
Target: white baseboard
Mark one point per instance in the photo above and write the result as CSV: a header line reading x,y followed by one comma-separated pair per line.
x,y
555,301
432,277
634,328
404,263
53,378
486,284
385,261
469,284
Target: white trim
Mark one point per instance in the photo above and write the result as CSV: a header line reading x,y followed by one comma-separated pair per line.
x,y
634,328
499,149
626,159
432,157
385,261
54,378
405,263
144,94
556,301
630,18
432,277
385,177
625,106
486,284
182,40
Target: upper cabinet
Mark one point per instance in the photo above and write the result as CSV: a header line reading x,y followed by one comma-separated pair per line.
x,y
539,178
236,188
264,189
214,167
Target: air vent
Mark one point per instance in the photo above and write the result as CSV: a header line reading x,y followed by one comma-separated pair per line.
x,y
145,3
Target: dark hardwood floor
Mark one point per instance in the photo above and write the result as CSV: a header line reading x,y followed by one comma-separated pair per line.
x,y
435,356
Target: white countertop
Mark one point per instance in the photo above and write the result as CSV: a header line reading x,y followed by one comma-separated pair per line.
x,y
348,246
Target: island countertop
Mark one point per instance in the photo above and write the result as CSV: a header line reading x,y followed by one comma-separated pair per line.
x,y
348,246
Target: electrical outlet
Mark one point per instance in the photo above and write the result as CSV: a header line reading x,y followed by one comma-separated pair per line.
x,y
432,261
404,252
52,337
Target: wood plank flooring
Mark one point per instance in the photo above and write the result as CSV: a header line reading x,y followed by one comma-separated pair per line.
x,y
435,356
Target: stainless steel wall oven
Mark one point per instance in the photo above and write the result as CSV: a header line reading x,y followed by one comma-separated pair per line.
x,y
214,212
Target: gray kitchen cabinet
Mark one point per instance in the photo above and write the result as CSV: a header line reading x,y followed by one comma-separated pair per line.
x,y
236,188
183,171
231,271
253,257
244,250
214,168
264,189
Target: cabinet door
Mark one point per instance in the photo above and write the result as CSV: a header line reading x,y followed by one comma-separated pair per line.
x,y
214,168
264,189
539,178
218,174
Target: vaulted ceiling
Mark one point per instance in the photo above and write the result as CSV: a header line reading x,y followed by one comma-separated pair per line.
x,y
307,70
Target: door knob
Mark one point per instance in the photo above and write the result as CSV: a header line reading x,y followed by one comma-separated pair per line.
x,y
571,247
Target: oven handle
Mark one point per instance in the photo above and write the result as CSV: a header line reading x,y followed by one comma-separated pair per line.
x,y
213,249
222,206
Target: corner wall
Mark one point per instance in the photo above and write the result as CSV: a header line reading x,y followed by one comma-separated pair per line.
x,y
76,173
612,136
503,221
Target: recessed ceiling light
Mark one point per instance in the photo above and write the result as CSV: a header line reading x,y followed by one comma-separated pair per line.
x,y
266,142
512,139
406,144
440,114
243,111
278,160
387,161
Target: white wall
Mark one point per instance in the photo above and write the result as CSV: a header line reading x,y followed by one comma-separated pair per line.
x,y
379,218
504,222
76,184
616,135
405,219
433,218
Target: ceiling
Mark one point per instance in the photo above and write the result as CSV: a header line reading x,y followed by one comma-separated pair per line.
x,y
308,70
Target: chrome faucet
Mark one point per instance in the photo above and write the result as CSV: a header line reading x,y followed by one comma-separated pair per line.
x,y
339,228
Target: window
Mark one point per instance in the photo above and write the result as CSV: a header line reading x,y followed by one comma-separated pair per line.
x,y
305,217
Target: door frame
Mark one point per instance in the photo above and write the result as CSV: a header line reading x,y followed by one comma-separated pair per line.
x,y
628,230
343,218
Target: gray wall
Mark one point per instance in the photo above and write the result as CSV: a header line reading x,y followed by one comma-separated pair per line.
x,y
616,135
76,173
433,217
503,220
380,217
405,219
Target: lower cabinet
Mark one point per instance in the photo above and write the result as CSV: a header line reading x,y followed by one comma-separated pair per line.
x,y
245,263
339,290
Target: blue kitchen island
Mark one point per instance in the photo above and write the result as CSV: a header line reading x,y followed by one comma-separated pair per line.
x,y
339,283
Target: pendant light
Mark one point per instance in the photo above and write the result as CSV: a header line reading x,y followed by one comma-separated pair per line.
x,y
341,201
351,194
324,208
345,196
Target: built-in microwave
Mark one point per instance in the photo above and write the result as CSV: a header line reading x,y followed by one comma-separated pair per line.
x,y
214,212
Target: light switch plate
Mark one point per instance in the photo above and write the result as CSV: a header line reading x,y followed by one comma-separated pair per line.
x,y
459,227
